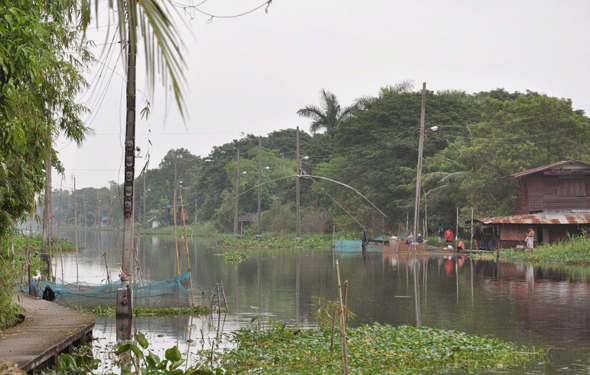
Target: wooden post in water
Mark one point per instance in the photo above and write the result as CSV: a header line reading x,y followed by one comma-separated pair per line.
x,y
76,232
58,239
188,259
342,325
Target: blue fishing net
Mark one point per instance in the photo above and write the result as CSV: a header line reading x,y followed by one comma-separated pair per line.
x,y
170,292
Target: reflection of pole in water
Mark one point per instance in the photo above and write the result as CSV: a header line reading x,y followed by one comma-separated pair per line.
x,y
457,276
259,285
471,268
297,287
425,279
236,289
417,295
124,325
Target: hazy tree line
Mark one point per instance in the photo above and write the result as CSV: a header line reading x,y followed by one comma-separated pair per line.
x,y
373,148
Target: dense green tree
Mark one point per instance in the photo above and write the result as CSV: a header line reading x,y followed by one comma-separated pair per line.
x,y
378,147
40,62
516,135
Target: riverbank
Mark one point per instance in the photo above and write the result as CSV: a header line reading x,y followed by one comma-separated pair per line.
x,y
575,251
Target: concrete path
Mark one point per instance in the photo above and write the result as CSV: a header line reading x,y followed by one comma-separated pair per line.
x,y
48,330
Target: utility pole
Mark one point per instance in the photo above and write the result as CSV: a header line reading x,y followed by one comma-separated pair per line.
x,y
298,191
236,207
98,218
258,232
419,172
125,295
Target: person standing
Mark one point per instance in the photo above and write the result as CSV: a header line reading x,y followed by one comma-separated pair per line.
x,y
449,236
530,239
441,234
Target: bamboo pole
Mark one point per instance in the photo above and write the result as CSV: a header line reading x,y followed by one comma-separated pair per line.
x,y
342,325
58,239
175,235
224,299
333,328
76,233
218,299
188,259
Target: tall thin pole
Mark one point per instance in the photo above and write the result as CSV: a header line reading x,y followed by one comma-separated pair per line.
x,y
125,298
47,213
188,258
342,324
98,218
144,199
425,215
258,232
420,152
236,203
76,229
58,239
471,242
175,235
457,224
298,191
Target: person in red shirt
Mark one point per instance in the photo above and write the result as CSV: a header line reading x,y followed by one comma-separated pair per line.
x,y
449,236
460,245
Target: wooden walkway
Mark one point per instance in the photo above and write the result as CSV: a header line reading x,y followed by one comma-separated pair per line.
x,y
47,331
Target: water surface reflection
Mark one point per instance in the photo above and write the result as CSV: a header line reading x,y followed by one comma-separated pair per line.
x,y
530,305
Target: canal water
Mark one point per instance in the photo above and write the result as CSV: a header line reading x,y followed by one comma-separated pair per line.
x,y
545,307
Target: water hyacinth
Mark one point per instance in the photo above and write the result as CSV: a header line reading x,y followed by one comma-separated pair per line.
x,y
372,349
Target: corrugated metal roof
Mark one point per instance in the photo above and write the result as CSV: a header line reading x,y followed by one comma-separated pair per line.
x,y
569,217
544,168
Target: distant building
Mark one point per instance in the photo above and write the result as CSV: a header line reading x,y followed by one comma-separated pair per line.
x,y
555,202
105,222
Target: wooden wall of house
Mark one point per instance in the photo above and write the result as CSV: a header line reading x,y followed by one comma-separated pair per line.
x,y
514,232
512,235
554,193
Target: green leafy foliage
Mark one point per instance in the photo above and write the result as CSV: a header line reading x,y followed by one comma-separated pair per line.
x,y
372,349
149,311
230,241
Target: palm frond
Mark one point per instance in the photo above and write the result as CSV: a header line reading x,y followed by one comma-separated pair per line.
x,y
162,42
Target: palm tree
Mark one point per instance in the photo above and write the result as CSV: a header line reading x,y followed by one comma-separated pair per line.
x,y
329,116
162,42
399,88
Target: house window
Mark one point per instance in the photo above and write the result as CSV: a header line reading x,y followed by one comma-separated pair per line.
x,y
572,187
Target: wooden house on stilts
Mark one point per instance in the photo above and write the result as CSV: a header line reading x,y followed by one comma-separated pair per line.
x,y
555,203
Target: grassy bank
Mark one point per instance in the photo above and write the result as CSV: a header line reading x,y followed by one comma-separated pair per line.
x,y
35,243
149,311
200,229
575,251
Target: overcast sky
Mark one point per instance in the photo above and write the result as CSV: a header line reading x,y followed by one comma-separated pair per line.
x,y
250,74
